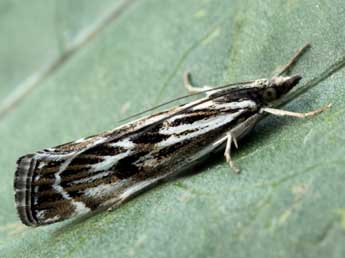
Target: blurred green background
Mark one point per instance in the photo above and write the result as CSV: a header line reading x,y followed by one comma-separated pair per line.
x,y
69,69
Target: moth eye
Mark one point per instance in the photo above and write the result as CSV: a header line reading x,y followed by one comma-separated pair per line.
x,y
270,94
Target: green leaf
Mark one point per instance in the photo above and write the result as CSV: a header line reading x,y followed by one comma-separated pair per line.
x,y
289,199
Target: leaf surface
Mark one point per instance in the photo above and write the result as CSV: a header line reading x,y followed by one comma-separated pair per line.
x,y
289,200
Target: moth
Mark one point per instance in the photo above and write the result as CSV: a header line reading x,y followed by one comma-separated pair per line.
x,y
106,169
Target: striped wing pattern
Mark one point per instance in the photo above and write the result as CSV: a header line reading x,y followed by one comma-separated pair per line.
x,y
106,169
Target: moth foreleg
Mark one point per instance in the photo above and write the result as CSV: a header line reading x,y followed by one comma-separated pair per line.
x,y
227,153
280,112
191,88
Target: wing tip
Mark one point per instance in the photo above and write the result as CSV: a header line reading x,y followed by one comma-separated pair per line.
x,y
23,188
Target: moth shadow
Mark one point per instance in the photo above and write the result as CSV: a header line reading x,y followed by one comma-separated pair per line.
x,y
195,169
74,223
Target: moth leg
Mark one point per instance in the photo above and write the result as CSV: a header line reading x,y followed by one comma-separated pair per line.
x,y
279,112
189,86
294,59
227,153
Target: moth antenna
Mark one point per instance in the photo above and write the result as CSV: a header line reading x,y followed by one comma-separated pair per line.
x,y
294,58
148,127
183,97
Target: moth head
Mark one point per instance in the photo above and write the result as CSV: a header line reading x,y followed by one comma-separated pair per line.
x,y
277,87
